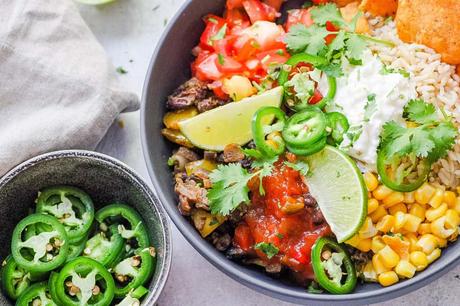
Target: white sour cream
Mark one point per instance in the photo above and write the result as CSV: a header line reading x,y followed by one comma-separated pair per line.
x,y
391,91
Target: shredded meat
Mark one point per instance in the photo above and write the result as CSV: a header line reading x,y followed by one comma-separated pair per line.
x,y
232,153
269,268
190,195
183,156
210,155
209,103
188,94
221,242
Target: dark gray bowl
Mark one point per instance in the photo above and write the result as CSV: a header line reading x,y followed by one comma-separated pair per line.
x,y
168,69
105,179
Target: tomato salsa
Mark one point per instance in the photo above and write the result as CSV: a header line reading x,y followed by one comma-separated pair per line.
x,y
285,218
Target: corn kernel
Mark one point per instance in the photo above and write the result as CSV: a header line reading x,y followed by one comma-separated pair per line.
x,y
418,210
398,207
393,199
454,236
400,220
364,245
437,198
386,223
457,205
372,206
368,229
452,219
369,273
428,243
377,244
388,278
405,269
442,243
389,257
449,198
382,192
371,181
438,228
377,262
353,241
424,194
424,228
433,255
378,214
409,197
412,223
419,260
435,213
412,238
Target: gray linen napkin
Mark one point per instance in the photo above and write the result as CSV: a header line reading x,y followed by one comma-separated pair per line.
x,y
58,90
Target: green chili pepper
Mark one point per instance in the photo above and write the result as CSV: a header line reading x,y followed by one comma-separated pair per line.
x,y
52,286
331,269
339,125
305,128
310,150
315,61
261,128
105,247
88,276
34,253
139,292
129,223
71,206
36,292
403,174
76,249
133,272
15,280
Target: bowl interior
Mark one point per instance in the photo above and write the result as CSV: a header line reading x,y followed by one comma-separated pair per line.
x,y
104,179
169,68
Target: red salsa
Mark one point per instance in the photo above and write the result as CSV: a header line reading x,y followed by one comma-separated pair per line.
x,y
284,218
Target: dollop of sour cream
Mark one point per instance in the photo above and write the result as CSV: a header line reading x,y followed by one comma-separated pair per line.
x,y
369,97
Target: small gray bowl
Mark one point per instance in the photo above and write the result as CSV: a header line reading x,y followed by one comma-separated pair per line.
x,y
169,68
105,179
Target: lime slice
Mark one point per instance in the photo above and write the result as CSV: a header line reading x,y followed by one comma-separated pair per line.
x,y
231,123
338,186
94,2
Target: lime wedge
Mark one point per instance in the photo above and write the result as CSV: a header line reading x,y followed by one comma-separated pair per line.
x,y
231,123
338,186
94,2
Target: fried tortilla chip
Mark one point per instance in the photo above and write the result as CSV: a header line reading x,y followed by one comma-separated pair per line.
x,y
349,12
380,7
434,23
341,3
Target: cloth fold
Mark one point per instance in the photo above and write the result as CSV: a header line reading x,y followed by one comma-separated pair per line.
x,y
58,89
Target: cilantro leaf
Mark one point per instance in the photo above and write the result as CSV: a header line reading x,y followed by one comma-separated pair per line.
x,y
303,86
220,34
444,138
420,112
338,43
370,108
267,248
355,47
252,153
309,40
300,166
328,12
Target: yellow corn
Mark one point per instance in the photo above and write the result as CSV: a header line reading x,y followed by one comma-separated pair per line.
x,y
388,278
437,198
389,257
424,194
452,219
457,205
413,240
449,198
438,228
378,214
412,223
371,181
454,236
433,255
372,205
393,199
377,262
364,245
377,244
400,221
386,223
418,210
434,213
419,260
409,197
382,192
405,269
398,207
424,228
368,229
369,272
428,243
442,243
353,241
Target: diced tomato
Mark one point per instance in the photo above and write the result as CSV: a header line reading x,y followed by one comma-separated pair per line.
x,y
216,87
232,4
258,11
276,4
245,47
236,17
268,58
243,238
332,28
320,1
224,46
268,35
317,96
206,69
226,64
298,16
214,24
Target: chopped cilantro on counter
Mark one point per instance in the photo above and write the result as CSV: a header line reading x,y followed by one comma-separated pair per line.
x,y
267,248
121,70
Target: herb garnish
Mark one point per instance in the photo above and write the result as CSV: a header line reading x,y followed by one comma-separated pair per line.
x,y
121,70
267,248
300,166
370,108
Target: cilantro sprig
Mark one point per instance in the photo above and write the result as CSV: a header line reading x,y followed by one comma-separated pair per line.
x,y
269,249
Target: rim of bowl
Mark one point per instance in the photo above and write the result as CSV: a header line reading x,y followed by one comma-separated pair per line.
x,y
155,203
226,265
